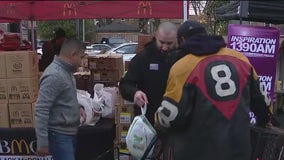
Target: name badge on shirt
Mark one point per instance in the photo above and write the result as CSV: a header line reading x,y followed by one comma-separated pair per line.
x,y
154,67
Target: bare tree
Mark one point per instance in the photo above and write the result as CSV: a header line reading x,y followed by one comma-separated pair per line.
x,y
205,13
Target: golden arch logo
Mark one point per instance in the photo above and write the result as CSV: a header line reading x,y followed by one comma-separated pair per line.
x,y
69,9
11,9
20,145
143,7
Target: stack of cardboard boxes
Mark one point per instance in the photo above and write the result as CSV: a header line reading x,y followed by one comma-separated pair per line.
x,y
18,88
124,114
106,69
143,39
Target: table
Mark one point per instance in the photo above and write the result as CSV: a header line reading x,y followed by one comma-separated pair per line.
x,y
92,141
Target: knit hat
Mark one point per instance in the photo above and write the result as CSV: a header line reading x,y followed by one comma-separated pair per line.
x,y
190,28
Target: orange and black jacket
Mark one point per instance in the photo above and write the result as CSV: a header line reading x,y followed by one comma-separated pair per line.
x,y
205,109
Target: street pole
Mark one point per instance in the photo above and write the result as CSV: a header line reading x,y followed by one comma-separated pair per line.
x,y
185,10
83,29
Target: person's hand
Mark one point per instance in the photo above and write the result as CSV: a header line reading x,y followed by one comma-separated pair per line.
x,y
83,115
140,98
42,151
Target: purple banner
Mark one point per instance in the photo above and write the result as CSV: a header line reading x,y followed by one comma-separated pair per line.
x,y
260,45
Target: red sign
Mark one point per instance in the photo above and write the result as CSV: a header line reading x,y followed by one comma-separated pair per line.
x,y
58,10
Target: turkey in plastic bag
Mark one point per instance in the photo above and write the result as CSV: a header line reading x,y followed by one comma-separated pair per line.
x,y
140,135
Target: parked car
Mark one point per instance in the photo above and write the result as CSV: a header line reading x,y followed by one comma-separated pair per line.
x,y
115,41
39,53
128,50
39,47
97,48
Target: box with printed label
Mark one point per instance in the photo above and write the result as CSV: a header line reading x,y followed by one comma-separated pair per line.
x,y
21,115
121,132
4,116
3,91
21,64
107,62
2,65
126,64
22,90
142,40
125,114
106,75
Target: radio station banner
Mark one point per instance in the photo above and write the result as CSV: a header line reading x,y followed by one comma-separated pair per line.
x,y
260,44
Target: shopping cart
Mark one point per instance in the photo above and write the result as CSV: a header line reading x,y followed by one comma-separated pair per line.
x,y
267,143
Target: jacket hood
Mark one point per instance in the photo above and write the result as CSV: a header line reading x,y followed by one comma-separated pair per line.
x,y
203,44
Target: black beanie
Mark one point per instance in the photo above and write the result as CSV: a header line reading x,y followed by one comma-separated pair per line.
x,y
59,32
190,28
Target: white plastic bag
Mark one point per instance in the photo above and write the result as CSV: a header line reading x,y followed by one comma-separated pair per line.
x,y
140,135
92,108
108,97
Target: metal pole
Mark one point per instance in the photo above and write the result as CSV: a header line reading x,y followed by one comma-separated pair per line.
x,y
33,35
83,29
78,29
185,10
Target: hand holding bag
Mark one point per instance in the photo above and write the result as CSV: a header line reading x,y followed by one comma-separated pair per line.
x,y
140,135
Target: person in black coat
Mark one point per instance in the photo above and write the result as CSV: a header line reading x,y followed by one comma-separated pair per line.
x,y
51,48
145,80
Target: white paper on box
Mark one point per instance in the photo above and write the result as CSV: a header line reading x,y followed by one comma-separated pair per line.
x,y
125,118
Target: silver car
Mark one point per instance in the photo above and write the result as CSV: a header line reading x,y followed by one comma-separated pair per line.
x,y
128,50
97,49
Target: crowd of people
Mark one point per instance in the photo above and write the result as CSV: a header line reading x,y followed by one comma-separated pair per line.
x,y
198,94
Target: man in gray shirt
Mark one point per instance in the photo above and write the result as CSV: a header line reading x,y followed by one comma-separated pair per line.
x,y
57,113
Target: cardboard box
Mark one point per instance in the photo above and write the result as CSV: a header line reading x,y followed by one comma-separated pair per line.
x,y
3,91
106,75
21,115
125,114
33,112
84,82
4,116
119,100
2,65
106,62
20,64
22,90
142,40
126,64
122,132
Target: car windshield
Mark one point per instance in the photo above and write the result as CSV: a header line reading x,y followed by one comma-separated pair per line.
x,y
97,48
128,49
101,47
